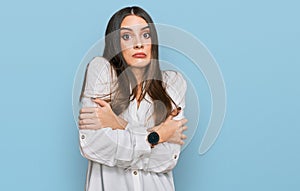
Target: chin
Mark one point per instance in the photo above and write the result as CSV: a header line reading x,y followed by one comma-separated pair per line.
x,y
140,64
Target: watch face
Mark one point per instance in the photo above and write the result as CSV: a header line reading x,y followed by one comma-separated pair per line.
x,y
153,138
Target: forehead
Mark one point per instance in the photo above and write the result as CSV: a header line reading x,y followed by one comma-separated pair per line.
x,y
133,21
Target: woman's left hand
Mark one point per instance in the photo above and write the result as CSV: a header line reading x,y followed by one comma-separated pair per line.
x,y
100,117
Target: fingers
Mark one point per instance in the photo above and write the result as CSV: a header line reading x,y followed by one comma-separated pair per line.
x,y
182,136
177,138
86,122
184,128
87,115
91,126
88,109
181,142
101,102
183,121
174,113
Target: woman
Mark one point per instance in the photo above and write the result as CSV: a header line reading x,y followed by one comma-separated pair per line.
x,y
131,124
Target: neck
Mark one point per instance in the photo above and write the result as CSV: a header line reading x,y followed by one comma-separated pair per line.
x,y
138,73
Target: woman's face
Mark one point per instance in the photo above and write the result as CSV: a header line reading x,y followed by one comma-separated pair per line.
x,y
135,41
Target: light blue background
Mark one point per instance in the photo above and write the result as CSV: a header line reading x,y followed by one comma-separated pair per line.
x,y
256,44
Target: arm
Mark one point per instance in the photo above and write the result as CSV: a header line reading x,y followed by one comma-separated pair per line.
x,y
125,148
164,156
107,146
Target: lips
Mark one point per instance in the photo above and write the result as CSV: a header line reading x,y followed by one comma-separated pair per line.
x,y
139,55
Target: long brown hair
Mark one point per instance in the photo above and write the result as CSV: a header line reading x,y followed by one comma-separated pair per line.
x,y
152,79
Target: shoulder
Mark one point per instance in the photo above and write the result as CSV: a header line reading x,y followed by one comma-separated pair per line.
x,y
97,71
174,79
175,86
98,63
97,78
98,68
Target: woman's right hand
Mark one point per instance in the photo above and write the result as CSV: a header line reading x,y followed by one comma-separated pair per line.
x,y
171,130
94,118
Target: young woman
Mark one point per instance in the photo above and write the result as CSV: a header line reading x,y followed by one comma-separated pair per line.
x,y
131,122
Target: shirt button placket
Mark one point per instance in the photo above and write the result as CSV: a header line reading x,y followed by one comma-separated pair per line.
x,y
136,181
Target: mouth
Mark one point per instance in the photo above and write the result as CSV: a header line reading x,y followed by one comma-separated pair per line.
x,y
139,55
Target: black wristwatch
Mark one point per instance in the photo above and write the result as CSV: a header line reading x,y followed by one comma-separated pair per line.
x,y
153,138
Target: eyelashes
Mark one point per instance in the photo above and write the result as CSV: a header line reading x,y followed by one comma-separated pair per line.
x,y
146,35
128,36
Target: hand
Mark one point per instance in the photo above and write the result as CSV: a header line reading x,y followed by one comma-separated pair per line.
x,y
172,130
178,136
100,117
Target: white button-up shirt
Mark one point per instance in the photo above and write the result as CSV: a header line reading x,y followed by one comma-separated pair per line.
x,y
123,160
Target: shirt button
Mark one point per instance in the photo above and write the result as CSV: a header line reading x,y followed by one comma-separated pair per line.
x,y
175,156
135,172
82,136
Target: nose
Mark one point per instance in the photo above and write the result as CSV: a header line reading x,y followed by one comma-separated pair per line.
x,y
138,43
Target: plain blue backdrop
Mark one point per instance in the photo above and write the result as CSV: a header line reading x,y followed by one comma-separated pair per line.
x,y
256,44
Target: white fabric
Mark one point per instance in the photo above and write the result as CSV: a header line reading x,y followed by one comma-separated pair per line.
x,y
122,160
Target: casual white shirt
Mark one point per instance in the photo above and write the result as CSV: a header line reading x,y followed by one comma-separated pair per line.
x,y
123,160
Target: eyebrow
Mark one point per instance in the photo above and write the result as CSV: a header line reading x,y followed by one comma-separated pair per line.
x,y
125,28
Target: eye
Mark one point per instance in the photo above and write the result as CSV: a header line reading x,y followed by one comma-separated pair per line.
x,y
146,35
126,36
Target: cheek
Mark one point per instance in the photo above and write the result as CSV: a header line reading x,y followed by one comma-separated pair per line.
x,y
126,55
125,48
126,45
148,48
